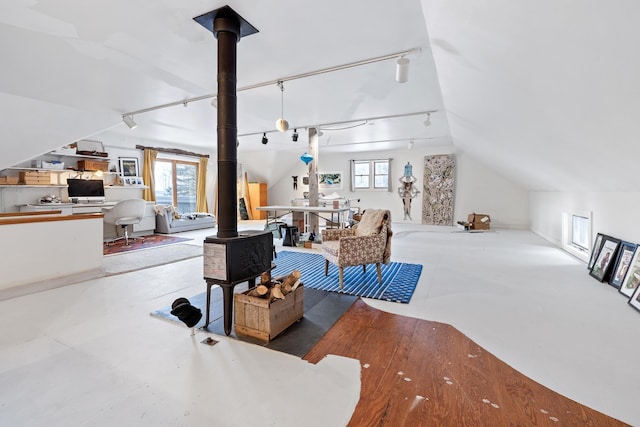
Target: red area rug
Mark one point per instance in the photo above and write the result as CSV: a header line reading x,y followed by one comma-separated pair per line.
x,y
148,242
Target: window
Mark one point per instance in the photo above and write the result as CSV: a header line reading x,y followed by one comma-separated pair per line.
x,y
176,184
576,232
580,232
370,174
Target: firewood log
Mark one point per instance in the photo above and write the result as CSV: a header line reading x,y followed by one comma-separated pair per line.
x,y
286,288
265,278
295,285
276,292
260,291
291,278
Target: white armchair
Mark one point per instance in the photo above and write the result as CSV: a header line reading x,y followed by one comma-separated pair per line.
x,y
122,214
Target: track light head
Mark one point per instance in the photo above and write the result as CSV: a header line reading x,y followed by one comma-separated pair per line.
x,y
214,102
128,120
410,146
265,141
427,122
294,137
402,70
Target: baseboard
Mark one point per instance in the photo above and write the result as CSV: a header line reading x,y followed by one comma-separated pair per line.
x,y
45,285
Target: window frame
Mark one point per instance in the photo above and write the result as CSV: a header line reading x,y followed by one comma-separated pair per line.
x,y
567,243
174,176
371,175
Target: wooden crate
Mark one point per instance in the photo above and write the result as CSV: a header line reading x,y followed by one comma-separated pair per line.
x,y
35,177
11,180
93,165
258,318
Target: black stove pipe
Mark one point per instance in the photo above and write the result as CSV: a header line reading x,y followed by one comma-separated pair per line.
x,y
227,31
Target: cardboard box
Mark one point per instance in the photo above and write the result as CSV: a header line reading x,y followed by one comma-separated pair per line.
x,y
262,319
35,177
93,165
479,221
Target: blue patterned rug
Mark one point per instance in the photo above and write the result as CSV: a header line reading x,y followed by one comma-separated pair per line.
x,y
399,280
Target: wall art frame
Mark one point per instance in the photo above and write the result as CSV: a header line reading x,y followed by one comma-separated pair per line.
x,y
634,301
330,180
608,252
128,166
632,278
595,250
621,266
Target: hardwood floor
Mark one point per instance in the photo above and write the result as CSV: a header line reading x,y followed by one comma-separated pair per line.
x,y
421,373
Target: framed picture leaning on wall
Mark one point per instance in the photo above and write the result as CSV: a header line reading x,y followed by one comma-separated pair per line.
x,y
634,301
632,278
128,166
597,243
620,268
606,258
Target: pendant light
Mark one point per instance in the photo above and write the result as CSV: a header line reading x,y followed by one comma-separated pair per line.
x,y
281,124
306,158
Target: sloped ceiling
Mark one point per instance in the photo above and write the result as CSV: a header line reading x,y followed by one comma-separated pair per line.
x,y
71,69
545,92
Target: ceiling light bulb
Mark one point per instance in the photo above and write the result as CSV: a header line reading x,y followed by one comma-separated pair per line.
x,y
402,70
264,138
128,120
282,125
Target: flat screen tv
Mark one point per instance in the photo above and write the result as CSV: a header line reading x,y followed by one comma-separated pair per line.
x,y
86,190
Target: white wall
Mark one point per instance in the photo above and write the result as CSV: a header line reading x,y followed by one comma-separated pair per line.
x,y
613,213
478,188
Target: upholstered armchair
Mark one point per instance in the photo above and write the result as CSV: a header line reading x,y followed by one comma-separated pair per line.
x,y
368,242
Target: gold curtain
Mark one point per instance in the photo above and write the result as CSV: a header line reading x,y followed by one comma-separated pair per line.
x,y
148,168
201,186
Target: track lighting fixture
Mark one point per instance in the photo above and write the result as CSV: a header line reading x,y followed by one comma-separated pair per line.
x,y
128,120
265,141
410,146
214,102
427,122
281,124
294,137
402,70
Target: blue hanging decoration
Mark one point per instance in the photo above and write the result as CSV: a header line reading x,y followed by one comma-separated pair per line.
x,y
306,158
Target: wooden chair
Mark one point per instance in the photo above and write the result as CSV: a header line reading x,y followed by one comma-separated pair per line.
x,y
368,242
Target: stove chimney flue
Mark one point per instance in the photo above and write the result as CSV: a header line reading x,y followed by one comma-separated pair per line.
x,y
228,27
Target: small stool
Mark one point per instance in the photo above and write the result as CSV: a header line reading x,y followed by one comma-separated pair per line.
x,y
290,235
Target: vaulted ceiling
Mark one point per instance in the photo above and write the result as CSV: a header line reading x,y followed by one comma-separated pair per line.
x,y
545,93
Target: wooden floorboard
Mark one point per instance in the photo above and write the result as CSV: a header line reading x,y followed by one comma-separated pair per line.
x,y
421,373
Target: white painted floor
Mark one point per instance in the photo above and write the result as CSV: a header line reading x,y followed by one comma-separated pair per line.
x,y
90,354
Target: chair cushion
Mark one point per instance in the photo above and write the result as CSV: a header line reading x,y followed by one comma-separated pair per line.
x,y
371,222
331,247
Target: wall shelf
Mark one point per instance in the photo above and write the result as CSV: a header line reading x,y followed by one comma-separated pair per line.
x,y
32,186
82,156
